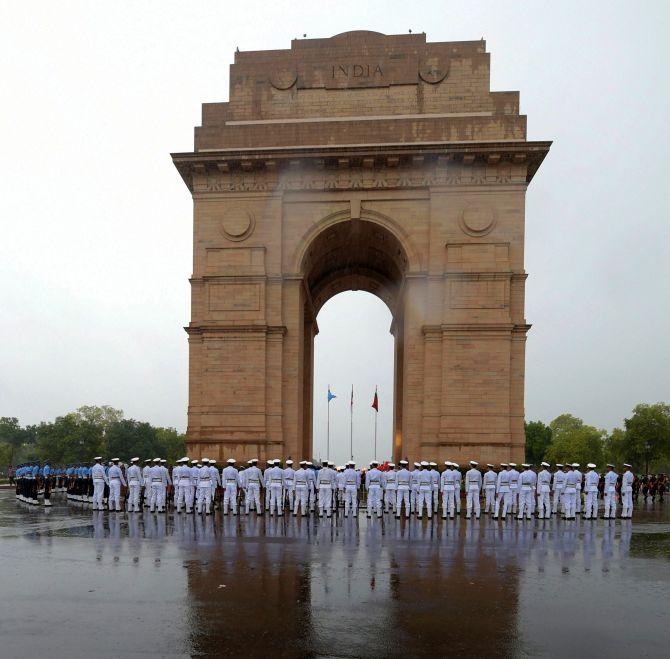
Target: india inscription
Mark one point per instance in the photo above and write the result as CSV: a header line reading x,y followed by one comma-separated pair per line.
x,y
372,162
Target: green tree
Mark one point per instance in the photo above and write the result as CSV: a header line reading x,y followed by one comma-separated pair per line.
x,y
128,438
538,439
573,441
647,435
170,444
69,438
102,416
14,436
615,447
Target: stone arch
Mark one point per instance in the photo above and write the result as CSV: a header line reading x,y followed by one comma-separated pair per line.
x,y
413,261
342,253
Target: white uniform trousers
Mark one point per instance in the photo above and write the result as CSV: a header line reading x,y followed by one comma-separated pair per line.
x,y
301,501
543,503
134,496
570,502
490,502
504,498
578,501
558,495
448,501
114,494
98,492
289,494
414,494
525,501
425,497
230,497
204,497
514,499
276,502
389,499
610,503
627,503
375,499
591,504
350,500
402,495
325,499
253,494
472,501
436,497
182,497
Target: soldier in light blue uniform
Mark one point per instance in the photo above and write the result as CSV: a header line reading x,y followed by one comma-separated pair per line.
x,y
46,475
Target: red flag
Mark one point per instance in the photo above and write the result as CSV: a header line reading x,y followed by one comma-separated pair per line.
x,y
375,402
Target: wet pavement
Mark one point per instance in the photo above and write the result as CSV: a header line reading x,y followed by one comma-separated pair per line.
x,y
80,583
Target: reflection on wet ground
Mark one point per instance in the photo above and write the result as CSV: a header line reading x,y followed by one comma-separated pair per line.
x,y
194,586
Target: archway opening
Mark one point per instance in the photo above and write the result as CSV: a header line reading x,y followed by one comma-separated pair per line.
x,y
353,355
362,256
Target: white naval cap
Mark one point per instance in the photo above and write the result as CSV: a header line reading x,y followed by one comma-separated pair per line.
x,y
404,462
303,462
625,464
504,464
374,462
558,464
203,460
289,462
134,459
433,464
417,464
212,462
590,465
512,464
424,463
575,464
488,465
231,461
391,464
525,465
185,458
455,464
446,462
610,465
250,462
194,461
157,459
545,464
474,462
163,460
98,457
310,463
148,460
115,459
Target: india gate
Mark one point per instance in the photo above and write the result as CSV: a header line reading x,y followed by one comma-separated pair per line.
x,y
360,162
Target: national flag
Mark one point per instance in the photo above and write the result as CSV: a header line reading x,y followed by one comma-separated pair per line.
x,y
331,395
352,395
375,401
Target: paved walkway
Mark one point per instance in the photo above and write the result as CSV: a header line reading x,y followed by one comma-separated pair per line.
x,y
172,585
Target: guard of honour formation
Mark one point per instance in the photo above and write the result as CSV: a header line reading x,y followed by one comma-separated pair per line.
x,y
197,486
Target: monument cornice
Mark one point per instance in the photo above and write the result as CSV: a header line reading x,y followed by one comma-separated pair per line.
x,y
258,169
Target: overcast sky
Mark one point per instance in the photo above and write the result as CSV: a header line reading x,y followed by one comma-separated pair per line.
x,y
95,243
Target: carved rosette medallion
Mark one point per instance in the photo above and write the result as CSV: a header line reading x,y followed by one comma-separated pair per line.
x,y
433,69
477,220
237,224
283,78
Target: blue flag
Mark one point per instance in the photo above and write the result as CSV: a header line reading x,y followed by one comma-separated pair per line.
x,y
330,395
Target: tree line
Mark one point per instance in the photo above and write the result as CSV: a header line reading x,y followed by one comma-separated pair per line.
x,y
643,442
81,435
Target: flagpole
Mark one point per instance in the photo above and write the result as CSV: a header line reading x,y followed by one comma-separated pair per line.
x,y
328,428
376,413
351,427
